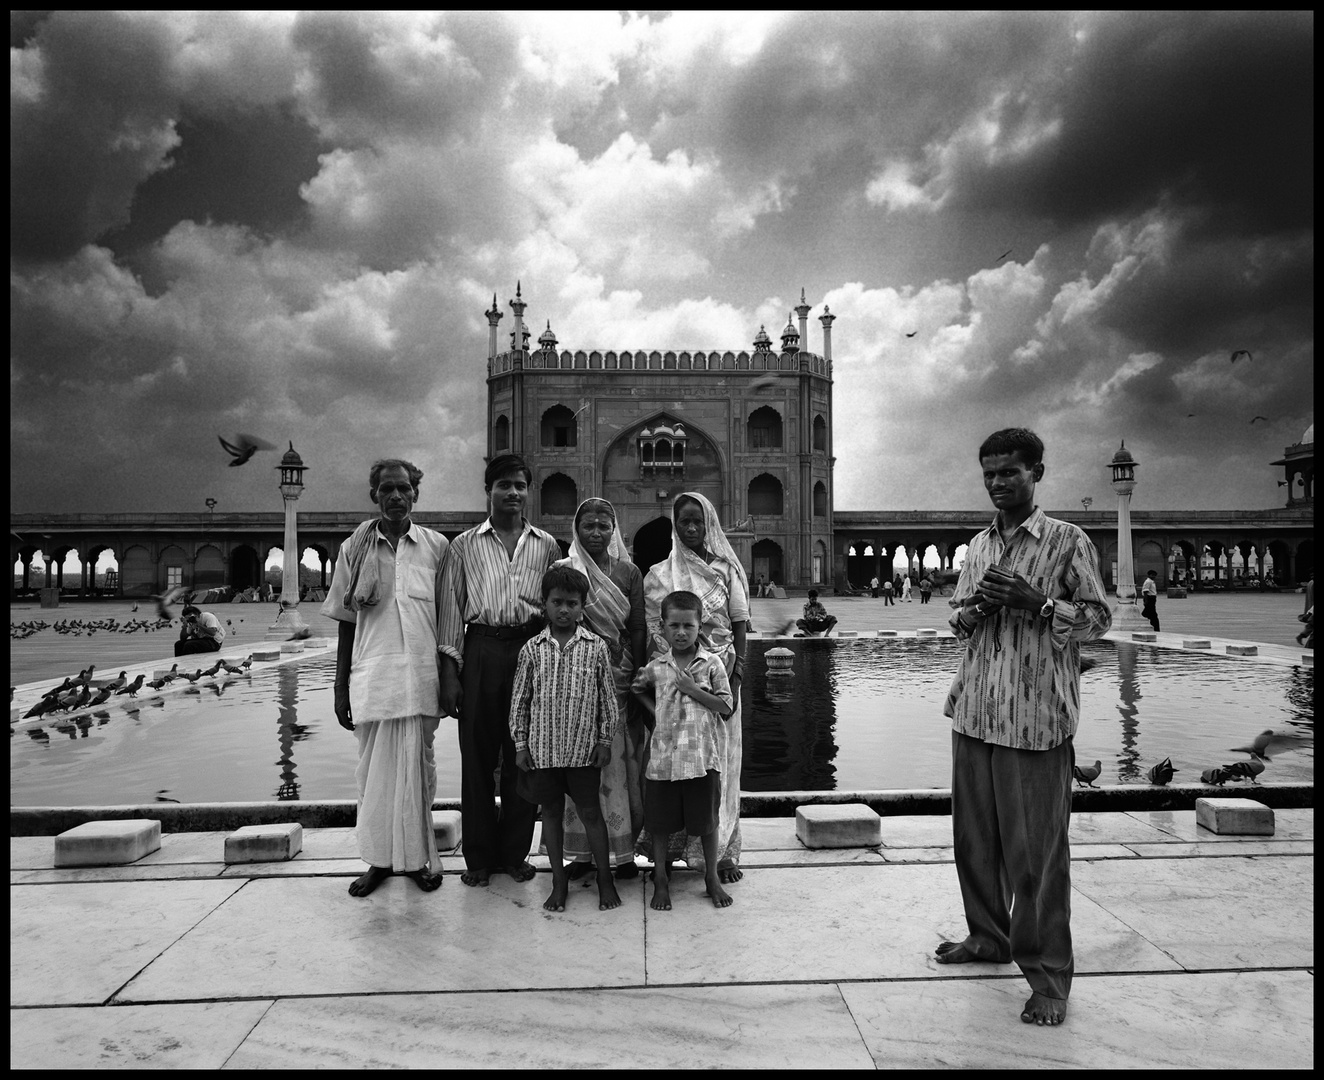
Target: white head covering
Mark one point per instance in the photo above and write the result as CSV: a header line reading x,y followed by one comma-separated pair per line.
x,y
684,563
607,608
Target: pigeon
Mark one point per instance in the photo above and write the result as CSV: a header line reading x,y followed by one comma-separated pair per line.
x,y
103,695
1254,418
1087,774
301,634
243,448
84,695
133,687
232,669
1161,773
1266,741
191,678
57,691
247,662
1005,254
912,333
1217,777
45,705
172,674
157,684
1239,354
115,684
163,602
1244,770
764,382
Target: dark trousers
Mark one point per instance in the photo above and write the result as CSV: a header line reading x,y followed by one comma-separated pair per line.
x,y
491,841
196,645
1149,609
887,597
1011,810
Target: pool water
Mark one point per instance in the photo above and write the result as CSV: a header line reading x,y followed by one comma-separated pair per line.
x,y
854,715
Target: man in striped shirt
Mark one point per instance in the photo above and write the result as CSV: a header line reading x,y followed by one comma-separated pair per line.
x,y
490,606
1028,594
563,717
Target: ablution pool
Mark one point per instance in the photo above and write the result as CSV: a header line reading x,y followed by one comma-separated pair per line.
x,y
862,714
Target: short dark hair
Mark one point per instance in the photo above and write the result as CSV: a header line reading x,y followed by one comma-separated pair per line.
x,y
189,609
813,594
1153,573
567,579
1014,440
681,600
379,467
503,464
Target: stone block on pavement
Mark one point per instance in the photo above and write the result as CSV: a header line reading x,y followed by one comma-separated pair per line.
x,y
264,843
1243,650
267,654
926,632
1196,643
1144,635
107,843
446,828
840,825
1234,817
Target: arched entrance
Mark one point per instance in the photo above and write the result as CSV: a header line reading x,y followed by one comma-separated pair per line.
x,y
652,543
244,569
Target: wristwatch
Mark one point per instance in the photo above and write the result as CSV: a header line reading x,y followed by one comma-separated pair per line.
x,y
1047,610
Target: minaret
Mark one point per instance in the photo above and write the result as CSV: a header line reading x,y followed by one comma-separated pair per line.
x,y
493,317
1125,615
827,320
802,310
518,336
762,343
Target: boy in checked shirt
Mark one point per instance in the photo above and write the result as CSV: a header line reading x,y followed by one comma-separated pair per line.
x,y
682,786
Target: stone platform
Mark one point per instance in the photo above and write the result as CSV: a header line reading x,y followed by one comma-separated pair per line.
x,y
1191,949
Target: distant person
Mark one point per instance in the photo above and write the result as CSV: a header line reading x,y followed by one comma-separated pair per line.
x,y
873,586
1015,706
758,586
563,718
1149,598
887,593
384,596
816,619
925,589
683,781
905,589
201,632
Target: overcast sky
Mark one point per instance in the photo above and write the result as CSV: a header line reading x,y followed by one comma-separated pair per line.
x,y
291,224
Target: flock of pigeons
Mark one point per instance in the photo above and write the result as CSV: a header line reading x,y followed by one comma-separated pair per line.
x,y
1162,773
83,692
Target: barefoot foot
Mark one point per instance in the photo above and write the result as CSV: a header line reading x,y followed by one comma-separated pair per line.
x,y
424,879
476,877
721,898
362,886
1044,1011
962,952
729,872
556,900
608,897
523,872
661,895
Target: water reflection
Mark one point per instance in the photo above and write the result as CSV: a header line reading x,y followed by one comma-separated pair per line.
x,y
289,731
788,722
1128,688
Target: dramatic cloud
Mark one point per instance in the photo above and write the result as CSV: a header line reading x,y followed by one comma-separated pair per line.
x,y
291,224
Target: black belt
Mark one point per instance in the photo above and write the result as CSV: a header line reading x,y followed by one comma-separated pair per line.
x,y
503,633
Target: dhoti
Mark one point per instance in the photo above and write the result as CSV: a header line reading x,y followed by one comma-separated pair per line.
x,y
397,779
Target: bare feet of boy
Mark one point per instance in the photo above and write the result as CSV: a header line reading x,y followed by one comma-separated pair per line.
x,y
362,886
661,895
424,879
608,897
721,898
476,877
962,952
556,901
523,872
729,872
1044,1011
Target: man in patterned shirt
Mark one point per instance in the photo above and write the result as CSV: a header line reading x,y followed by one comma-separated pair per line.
x,y
682,783
1028,594
563,718
490,606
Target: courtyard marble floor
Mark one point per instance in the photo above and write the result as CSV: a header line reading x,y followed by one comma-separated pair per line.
x,y
1192,950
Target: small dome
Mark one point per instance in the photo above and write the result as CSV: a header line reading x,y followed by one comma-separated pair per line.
x,y
1123,454
547,339
291,459
761,338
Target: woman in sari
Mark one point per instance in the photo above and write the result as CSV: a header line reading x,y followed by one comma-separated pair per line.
x,y
703,562
614,611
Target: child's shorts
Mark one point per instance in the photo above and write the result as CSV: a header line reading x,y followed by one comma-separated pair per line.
x,y
543,786
692,805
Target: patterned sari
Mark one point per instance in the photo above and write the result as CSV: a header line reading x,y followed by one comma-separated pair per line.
x,y
723,587
607,614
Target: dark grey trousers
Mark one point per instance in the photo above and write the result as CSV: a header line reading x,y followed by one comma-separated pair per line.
x,y
1011,811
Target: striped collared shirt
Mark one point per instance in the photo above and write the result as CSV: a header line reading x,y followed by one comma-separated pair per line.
x,y
564,700
684,742
481,583
1019,681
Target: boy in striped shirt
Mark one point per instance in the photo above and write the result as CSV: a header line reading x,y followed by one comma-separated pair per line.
x,y
563,718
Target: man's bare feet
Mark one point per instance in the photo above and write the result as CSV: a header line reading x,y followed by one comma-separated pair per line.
x,y
962,952
1044,1011
523,872
608,897
661,895
721,898
577,870
424,879
556,899
728,872
476,877
362,886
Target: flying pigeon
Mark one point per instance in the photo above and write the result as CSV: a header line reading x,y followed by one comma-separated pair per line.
x,y
1087,774
1254,418
1240,353
1269,740
1161,773
244,447
767,381
912,333
164,601
1005,254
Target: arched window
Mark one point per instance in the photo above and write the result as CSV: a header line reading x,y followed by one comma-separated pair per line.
x,y
764,429
820,499
559,495
501,434
663,451
820,433
765,496
558,427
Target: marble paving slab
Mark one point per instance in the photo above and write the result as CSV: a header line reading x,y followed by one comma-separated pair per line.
x,y
1088,828
1181,824
745,1027
811,857
78,944
307,935
848,922
133,872
329,844
1254,845
768,834
1232,1020
300,868
31,852
186,1036
1216,913
917,831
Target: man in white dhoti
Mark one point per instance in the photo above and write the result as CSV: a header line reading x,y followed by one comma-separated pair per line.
x,y
387,688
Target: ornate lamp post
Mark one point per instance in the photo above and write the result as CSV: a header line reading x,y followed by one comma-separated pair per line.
x,y
1125,615
288,620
